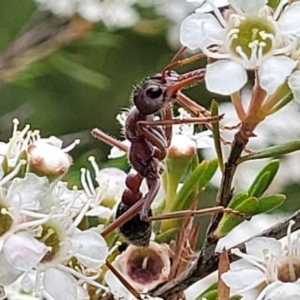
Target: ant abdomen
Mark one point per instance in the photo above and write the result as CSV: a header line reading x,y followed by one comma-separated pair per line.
x,y
135,231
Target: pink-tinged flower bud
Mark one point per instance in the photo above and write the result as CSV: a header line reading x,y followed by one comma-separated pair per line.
x,y
145,267
182,146
48,160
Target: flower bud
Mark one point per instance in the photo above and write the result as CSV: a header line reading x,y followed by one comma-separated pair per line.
x,y
48,160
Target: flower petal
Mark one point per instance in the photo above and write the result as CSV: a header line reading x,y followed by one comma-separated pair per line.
x,y
116,287
8,274
244,279
116,152
294,84
91,248
256,247
196,28
207,7
247,7
59,284
289,20
286,290
23,251
31,192
274,71
225,77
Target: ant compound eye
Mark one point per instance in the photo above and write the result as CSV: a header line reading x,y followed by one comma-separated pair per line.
x,y
154,91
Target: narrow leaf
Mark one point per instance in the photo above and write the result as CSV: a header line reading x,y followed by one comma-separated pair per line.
x,y
81,73
210,293
259,185
266,204
189,186
228,222
214,110
208,174
237,200
262,180
167,236
272,151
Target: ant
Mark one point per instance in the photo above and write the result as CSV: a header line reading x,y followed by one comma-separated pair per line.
x,y
150,140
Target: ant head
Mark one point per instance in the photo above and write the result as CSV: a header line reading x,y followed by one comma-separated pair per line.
x,y
152,94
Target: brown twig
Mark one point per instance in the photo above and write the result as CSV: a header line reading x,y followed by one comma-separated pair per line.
x,y
200,271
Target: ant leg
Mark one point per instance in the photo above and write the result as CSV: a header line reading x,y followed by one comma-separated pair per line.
x,y
201,212
153,187
191,106
128,286
202,120
185,80
198,110
179,63
100,135
167,114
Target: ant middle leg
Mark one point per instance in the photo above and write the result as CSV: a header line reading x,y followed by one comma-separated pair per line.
x,y
201,212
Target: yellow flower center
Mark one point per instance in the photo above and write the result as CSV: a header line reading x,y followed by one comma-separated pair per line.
x,y
6,220
289,270
251,38
51,239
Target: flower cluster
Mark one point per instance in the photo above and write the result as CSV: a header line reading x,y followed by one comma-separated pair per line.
x,y
268,270
40,242
247,36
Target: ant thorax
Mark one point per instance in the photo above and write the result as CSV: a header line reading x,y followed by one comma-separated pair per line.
x,y
132,130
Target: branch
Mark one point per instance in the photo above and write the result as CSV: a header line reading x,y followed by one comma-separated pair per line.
x,y
200,270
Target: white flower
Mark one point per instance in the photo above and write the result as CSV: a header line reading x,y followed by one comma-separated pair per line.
x,y
268,270
115,14
272,131
249,36
64,241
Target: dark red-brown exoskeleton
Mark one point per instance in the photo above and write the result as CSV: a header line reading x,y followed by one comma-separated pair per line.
x,y
150,140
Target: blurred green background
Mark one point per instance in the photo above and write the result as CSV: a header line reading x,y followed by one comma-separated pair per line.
x,y
84,82
65,75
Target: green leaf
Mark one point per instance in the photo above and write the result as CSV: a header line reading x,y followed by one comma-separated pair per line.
x,y
259,185
228,222
210,295
273,3
236,297
208,173
216,135
264,179
167,236
237,200
175,169
209,292
283,102
266,204
272,151
197,180
190,185
80,72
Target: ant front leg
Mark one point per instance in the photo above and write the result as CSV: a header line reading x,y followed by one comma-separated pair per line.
x,y
179,63
100,135
145,129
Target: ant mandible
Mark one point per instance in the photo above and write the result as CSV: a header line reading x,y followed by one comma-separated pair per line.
x,y
150,140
